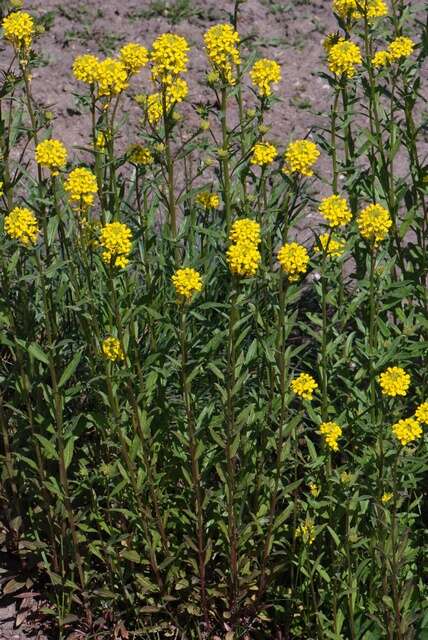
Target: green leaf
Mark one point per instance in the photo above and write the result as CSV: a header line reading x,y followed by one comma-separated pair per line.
x,y
130,555
70,369
68,451
37,352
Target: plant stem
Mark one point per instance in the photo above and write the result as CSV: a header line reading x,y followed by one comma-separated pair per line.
x,y
225,159
193,455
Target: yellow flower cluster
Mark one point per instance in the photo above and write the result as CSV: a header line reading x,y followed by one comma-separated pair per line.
x,y
133,57
421,413
21,224
208,200
245,231
221,43
85,68
306,531
264,73
112,77
263,153
304,386
101,141
407,430
243,259
386,497
345,477
243,255
332,247
343,58
51,154
154,108
335,210
374,223
115,238
357,9
401,47
300,157
80,185
314,489
168,57
394,382
187,282
112,349
140,155
19,29
331,432
174,93
381,59
294,259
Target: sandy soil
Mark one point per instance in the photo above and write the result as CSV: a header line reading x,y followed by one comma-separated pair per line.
x,y
291,32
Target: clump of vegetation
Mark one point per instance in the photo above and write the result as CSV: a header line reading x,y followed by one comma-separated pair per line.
x,y
208,427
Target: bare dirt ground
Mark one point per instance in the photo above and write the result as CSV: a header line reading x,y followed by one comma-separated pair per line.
x,y
290,31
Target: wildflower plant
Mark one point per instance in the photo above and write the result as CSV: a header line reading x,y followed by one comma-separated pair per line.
x,y
213,399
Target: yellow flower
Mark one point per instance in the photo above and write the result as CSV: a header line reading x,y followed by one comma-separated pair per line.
x,y
374,223
111,77
264,73
345,477
243,259
335,210
134,57
85,68
331,432
115,239
304,386
169,57
306,531
245,231
314,489
343,57
112,349
51,154
332,247
300,157
80,185
101,141
401,47
21,224
263,153
187,282
19,29
154,108
421,413
381,59
387,496
394,382
357,9
294,259
174,92
221,42
208,200
407,430
140,155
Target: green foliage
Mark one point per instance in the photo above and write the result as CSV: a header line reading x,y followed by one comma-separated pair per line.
x,y
185,489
